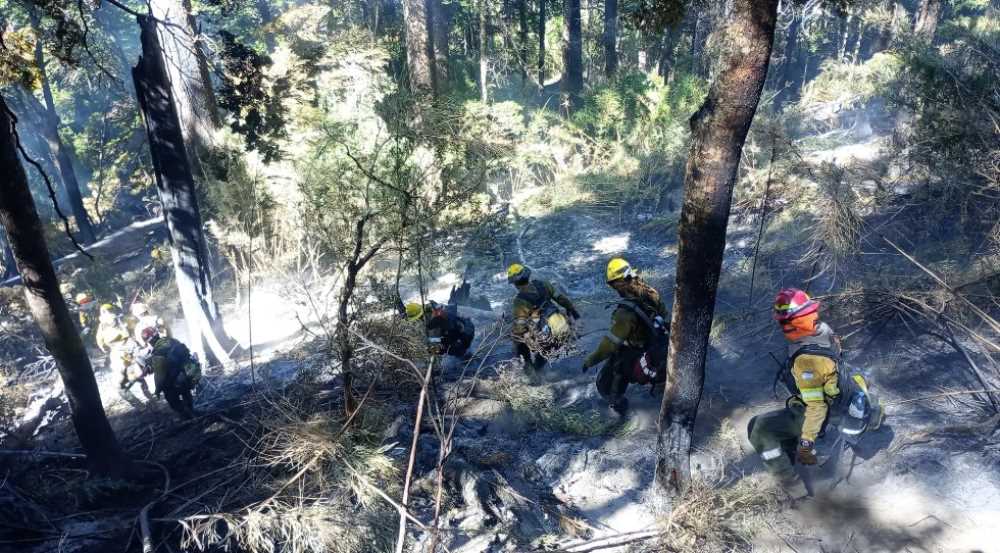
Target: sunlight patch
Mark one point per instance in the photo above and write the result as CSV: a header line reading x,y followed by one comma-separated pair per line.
x,y
613,244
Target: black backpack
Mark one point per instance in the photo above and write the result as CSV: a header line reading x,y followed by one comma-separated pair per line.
x,y
658,331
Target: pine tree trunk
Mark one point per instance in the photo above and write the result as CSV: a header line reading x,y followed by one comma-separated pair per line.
x,y
419,47
541,46
522,12
927,19
60,151
572,79
484,94
610,37
179,199
442,48
41,287
719,129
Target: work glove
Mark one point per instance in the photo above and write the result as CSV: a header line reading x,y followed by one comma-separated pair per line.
x,y
806,453
573,313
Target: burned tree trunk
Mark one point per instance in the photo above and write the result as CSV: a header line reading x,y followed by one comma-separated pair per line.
x,y
60,151
719,129
572,79
41,288
175,185
610,37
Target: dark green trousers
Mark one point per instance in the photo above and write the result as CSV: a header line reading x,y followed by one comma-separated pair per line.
x,y
615,375
774,436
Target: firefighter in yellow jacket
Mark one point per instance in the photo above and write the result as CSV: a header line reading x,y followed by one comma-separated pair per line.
x,y
815,377
636,345
535,300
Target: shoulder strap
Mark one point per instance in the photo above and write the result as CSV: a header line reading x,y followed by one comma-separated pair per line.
x,y
815,349
536,297
640,312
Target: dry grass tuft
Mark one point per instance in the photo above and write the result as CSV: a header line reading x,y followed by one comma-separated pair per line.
x,y
719,518
537,405
318,476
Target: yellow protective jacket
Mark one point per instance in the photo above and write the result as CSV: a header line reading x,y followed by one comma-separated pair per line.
x,y
815,377
627,329
109,335
529,300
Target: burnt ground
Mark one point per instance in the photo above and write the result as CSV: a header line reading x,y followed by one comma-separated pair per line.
x,y
929,480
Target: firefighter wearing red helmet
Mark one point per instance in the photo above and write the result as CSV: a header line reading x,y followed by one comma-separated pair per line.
x,y
811,376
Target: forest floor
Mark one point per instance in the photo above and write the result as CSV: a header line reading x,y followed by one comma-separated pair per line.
x,y
565,473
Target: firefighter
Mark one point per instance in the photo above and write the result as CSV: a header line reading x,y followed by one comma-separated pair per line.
x,y
175,371
85,306
142,317
536,305
635,348
447,332
822,388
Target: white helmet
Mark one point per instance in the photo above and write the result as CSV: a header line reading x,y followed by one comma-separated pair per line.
x,y
139,309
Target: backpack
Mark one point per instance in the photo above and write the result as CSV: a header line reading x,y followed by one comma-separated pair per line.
x,y
651,366
857,404
551,321
181,360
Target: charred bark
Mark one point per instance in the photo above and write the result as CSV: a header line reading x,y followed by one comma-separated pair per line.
x,y
41,289
419,46
610,37
572,79
175,185
541,46
60,151
719,129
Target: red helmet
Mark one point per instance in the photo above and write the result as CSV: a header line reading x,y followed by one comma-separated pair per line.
x,y
792,303
149,334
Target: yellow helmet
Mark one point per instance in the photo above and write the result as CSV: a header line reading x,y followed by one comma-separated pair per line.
x,y
618,269
518,273
414,311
